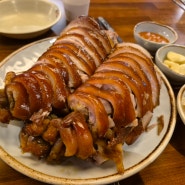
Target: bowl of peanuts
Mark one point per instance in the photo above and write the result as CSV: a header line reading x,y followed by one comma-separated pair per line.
x,y
171,60
152,35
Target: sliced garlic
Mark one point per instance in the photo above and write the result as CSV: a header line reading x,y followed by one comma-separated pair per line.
x,y
175,62
175,57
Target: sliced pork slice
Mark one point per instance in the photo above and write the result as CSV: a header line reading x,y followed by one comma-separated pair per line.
x,y
45,89
111,96
82,21
150,72
18,100
94,40
80,63
144,59
73,75
138,72
60,90
123,112
78,39
133,48
114,70
112,90
79,51
76,136
52,61
93,109
33,90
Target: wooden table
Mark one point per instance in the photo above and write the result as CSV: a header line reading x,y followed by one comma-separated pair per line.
x,y
169,167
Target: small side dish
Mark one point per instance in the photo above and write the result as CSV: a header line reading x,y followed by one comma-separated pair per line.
x,y
152,35
181,103
175,62
170,59
22,19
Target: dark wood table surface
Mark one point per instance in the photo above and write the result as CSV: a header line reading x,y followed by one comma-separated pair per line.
x,y
169,167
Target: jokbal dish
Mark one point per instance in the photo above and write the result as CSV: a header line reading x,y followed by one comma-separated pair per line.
x,y
85,96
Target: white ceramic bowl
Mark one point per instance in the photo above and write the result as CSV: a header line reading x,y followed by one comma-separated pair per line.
x,y
23,19
181,103
154,27
174,77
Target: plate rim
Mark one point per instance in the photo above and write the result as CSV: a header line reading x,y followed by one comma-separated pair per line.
x,y
153,155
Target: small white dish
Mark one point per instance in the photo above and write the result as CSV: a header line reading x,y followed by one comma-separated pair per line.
x,y
174,77
153,27
181,103
22,19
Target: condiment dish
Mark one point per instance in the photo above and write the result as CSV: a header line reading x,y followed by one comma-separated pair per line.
x,y
27,19
174,77
181,103
157,30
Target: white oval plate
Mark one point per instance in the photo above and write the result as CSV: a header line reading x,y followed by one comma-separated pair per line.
x,y
74,171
